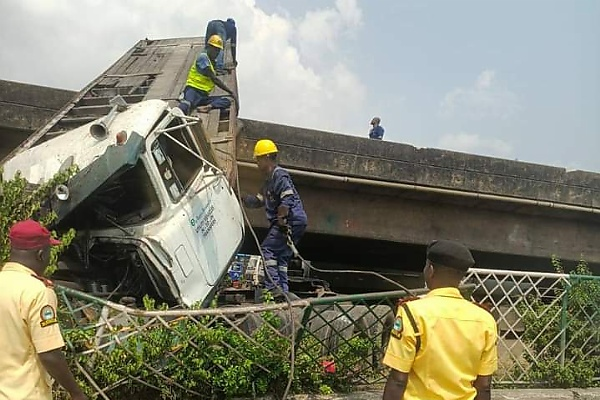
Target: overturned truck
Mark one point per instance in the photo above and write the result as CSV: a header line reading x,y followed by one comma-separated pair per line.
x,y
153,215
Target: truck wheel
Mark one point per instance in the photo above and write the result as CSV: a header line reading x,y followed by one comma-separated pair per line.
x,y
249,323
328,328
333,328
375,323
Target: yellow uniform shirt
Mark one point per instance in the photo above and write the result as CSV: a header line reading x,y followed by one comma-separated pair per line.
x,y
458,342
29,326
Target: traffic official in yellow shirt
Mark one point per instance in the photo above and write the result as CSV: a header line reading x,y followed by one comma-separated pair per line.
x,y
442,346
29,332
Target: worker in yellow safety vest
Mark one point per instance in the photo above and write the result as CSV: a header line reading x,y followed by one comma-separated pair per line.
x,y
202,79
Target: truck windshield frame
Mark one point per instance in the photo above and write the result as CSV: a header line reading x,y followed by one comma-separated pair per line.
x,y
128,198
177,158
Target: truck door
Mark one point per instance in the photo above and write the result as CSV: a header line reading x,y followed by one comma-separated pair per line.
x,y
205,226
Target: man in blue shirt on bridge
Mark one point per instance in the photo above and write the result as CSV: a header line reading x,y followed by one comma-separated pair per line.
x,y
226,30
377,131
285,213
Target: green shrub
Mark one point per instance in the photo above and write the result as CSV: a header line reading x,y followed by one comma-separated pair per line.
x,y
206,355
20,202
351,361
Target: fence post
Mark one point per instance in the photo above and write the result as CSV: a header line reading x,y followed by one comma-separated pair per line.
x,y
563,324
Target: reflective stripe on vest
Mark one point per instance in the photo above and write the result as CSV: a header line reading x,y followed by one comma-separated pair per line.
x,y
198,81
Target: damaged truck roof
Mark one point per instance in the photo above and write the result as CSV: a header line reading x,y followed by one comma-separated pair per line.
x,y
97,159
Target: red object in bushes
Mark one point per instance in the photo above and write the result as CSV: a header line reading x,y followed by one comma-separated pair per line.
x,y
329,366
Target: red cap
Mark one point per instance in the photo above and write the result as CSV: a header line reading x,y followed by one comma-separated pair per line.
x,y
30,235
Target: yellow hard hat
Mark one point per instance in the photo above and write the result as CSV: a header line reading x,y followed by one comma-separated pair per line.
x,y
264,147
216,41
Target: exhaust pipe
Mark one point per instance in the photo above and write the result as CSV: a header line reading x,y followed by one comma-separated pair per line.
x,y
99,129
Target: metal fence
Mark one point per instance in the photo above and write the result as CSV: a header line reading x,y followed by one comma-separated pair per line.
x,y
307,345
549,325
321,344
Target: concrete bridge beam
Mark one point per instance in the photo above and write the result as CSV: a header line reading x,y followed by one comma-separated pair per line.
x,y
24,108
385,214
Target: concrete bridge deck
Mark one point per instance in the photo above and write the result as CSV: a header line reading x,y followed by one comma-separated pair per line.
x,y
25,108
508,211
351,156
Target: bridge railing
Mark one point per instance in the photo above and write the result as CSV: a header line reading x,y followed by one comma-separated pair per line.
x,y
546,322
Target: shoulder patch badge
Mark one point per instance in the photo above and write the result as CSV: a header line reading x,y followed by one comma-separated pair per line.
x,y
47,316
397,328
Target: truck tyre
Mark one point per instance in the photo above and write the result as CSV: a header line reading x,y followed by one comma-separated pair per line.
x,y
333,328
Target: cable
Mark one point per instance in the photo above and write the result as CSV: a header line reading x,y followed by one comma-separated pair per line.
x,y
297,254
120,283
290,243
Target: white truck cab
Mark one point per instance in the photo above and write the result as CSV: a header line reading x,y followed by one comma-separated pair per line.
x,y
152,214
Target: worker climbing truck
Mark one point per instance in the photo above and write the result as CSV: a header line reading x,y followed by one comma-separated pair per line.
x,y
152,214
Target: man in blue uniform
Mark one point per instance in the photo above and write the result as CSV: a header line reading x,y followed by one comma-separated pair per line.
x,y
285,213
226,30
201,81
377,131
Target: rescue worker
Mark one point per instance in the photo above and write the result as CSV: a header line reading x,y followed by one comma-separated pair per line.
x,y
201,81
442,346
226,30
377,130
285,213
29,332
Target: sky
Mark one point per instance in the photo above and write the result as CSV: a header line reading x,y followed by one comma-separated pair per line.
x,y
515,79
